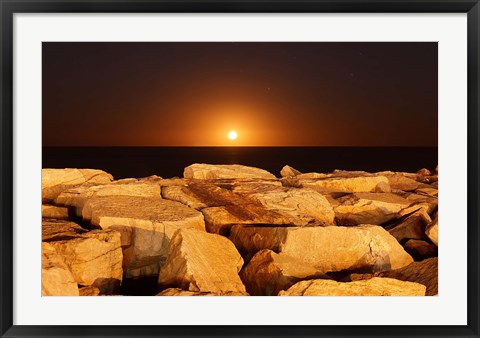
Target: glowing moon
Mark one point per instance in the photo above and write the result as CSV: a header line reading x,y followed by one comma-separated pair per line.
x,y
232,135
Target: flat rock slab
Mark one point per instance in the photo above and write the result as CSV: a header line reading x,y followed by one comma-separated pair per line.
x,y
180,292
371,287
52,211
227,203
343,183
424,272
57,279
369,208
361,248
215,171
202,262
77,197
54,181
146,225
268,273
93,257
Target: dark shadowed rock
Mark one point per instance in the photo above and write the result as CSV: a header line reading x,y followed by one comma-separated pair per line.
x,y
420,250
410,227
432,230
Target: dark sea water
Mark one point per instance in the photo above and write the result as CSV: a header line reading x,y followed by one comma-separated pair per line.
x,y
124,162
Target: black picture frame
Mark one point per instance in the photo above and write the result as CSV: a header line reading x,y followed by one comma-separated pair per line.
x,y
10,7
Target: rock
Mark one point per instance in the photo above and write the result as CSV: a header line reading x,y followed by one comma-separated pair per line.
x,y
345,183
267,273
93,257
57,279
424,172
432,230
288,171
361,248
77,197
252,203
370,287
428,191
51,211
180,292
89,291
215,171
420,201
399,181
199,261
146,225
411,226
424,272
54,181
420,250
369,208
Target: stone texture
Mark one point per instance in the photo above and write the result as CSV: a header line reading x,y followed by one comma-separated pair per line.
x,y
432,230
89,291
288,171
199,261
54,181
77,197
370,287
180,292
146,225
93,257
411,226
361,248
51,211
424,272
420,250
267,273
342,182
215,171
226,203
399,181
57,279
369,208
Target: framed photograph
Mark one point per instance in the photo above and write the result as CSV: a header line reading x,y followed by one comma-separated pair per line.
x,y
308,168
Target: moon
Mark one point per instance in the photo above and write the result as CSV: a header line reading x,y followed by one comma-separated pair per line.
x,y
232,135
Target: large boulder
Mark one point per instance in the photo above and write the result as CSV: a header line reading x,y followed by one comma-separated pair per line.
x,y
369,208
267,273
146,225
54,181
199,261
76,198
227,203
216,171
424,272
327,249
371,287
57,279
52,211
93,257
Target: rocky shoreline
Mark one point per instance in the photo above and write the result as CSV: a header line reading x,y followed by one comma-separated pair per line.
x,y
233,230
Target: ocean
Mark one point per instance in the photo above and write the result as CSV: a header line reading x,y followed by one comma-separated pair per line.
x,y
123,162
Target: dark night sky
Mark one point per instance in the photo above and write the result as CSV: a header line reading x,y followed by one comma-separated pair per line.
x,y
272,94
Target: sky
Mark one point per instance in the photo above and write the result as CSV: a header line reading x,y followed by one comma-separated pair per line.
x,y
271,94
